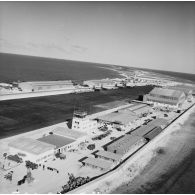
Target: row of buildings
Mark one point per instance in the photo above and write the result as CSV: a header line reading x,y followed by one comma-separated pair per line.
x,y
124,146
63,139
37,86
102,84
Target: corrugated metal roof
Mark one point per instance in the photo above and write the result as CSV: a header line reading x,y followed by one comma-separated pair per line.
x,y
56,140
31,146
70,133
121,117
159,122
162,100
136,106
141,110
143,130
153,133
47,82
180,88
123,143
98,163
166,92
109,155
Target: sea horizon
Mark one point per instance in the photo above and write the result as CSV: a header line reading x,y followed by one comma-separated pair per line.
x,y
55,69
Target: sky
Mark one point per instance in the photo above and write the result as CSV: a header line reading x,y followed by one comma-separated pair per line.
x,y
155,35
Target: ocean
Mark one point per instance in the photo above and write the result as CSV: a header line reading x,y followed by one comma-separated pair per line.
x,y
29,68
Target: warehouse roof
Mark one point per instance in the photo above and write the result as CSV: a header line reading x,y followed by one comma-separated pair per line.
x,y
153,133
166,92
69,133
159,122
136,106
120,117
31,146
143,130
140,110
46,82
123,143
109,155
191,87
98,163
181,88
56,140
163,100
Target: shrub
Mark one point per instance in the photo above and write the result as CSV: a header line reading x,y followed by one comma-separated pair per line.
x,y
160,151
91,146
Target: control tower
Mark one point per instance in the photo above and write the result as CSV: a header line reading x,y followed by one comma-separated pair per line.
x,y
81,122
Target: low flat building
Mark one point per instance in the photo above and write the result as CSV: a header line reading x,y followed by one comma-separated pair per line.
x,y
77,136
119,117
125,144
94,84
69,133
30,149
108,155
165,97
98,84
152,134
143,130
61,143
97,163
139,109
36,86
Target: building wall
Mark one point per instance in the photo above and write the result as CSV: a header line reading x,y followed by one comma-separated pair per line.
x,y
27,87
125,148
84,124
45,86
73,145
32,157
105,158
93,84
173,101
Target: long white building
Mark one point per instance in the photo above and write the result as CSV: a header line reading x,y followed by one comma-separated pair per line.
x,y
30,149
45,85
98,84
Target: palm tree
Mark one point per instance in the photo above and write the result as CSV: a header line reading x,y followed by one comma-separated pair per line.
x,y
5,157
29,174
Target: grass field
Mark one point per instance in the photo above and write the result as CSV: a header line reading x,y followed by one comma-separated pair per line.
x,y
22,115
